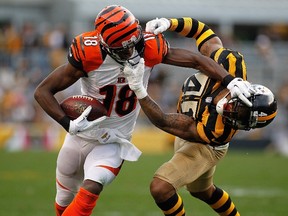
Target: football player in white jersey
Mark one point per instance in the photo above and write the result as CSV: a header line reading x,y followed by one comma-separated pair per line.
x,y
97,58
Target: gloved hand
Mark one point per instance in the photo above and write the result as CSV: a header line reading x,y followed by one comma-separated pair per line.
x,y
157,26
82,124
135,78
127,150
241,89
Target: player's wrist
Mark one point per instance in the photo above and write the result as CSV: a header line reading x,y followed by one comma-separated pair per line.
x,y
227,79
141,92
65,122
173,24
167,22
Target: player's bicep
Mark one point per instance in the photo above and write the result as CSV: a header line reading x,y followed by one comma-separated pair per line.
x,y
181,57
210,46
61,78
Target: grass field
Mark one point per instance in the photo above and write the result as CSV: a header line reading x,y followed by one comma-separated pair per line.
x,y
257,182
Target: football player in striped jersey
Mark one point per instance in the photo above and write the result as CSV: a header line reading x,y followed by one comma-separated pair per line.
x,y
208,117
97,58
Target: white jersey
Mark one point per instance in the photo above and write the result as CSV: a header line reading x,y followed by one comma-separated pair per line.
x,y
109,85
106,82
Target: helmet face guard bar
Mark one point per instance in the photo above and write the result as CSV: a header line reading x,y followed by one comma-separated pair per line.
x,y
238,115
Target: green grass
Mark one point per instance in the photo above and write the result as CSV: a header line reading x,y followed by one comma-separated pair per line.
x,y
257,183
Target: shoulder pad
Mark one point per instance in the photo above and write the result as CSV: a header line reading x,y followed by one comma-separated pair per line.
x,y
156,48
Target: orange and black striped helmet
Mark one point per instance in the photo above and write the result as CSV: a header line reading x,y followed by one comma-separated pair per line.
x,y
117,27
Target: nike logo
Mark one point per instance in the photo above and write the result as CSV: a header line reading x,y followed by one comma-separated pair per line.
x,y
70,52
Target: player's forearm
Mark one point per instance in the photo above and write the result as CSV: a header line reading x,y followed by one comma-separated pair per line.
x,y
49,104
174,123
211,68
186,58
206,40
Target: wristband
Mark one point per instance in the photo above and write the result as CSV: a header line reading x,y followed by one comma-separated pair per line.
x,y
65,122
227,79
141,93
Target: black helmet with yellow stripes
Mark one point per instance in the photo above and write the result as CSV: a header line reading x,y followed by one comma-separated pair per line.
x,y
238,115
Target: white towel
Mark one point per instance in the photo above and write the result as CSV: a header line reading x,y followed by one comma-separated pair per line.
x,y
128,151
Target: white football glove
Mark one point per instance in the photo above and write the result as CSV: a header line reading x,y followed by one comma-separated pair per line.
x,y
134,76
157,26
241,89
82,124
127,150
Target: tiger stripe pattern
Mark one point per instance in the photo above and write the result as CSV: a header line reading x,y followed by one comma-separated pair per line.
x,y
116,24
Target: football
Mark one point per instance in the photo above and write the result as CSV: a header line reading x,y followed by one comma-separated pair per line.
x,y
74,105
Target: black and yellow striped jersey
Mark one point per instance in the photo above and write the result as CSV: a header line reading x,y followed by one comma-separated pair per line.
x,y
198,93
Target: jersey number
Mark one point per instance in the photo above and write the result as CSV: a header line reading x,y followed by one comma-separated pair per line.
x,y
125,101
90,41
193,89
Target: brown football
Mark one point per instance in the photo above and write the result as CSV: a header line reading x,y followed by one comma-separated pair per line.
x,y
74,105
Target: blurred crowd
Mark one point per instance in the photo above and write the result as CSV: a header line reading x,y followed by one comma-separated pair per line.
x,y
26,57
29,53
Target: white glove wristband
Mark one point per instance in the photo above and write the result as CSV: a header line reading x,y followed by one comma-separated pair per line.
x,y
141,92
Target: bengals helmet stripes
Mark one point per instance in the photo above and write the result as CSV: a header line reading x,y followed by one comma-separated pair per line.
x,y
117,27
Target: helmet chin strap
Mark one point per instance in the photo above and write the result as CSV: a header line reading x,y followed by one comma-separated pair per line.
x,y
220,104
